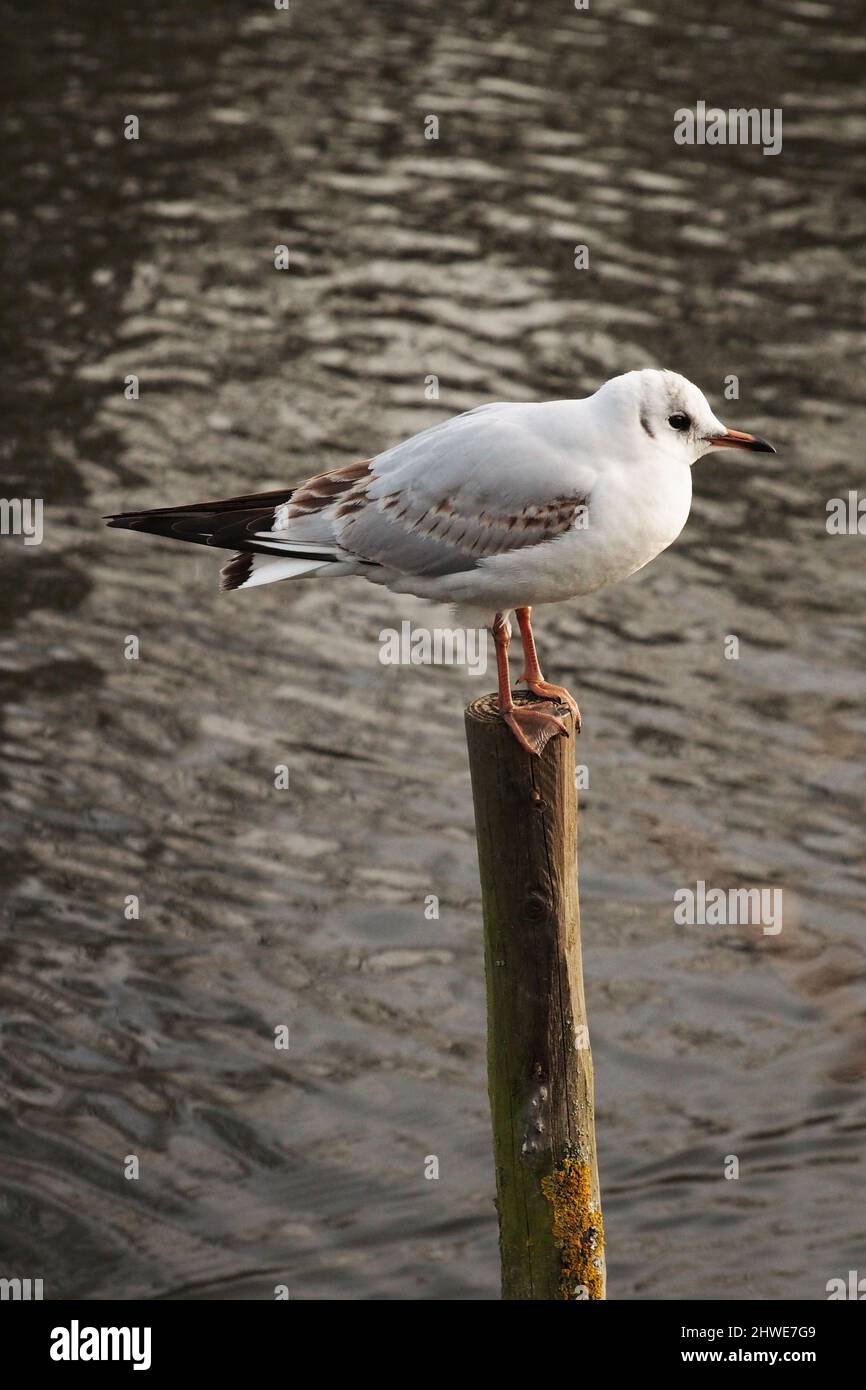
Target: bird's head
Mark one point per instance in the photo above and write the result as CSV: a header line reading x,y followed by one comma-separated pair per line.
x,y
666,412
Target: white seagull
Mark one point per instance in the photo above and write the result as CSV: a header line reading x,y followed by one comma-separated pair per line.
x,y
497,510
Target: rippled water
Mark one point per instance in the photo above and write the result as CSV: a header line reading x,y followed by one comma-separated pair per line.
x,y
155,777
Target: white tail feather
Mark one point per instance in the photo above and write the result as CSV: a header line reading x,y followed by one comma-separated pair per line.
x,y
267,571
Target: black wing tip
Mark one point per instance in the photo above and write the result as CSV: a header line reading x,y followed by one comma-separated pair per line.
x,y
253,501
154,523
126,521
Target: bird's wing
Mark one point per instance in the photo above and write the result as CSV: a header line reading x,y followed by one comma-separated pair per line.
x,y
495,480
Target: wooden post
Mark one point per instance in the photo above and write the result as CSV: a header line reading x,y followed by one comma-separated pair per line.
x,y
539,1065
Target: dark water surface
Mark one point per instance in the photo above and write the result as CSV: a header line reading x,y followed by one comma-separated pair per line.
x,y
156,777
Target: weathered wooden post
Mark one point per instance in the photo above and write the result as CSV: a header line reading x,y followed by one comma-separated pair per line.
x,y
539,1065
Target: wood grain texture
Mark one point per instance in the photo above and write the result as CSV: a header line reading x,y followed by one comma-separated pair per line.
x,y
539,1062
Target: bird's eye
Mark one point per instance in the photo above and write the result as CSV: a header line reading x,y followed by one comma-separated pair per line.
x,y
679,421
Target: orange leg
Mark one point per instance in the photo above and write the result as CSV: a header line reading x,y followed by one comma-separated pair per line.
x,y
533,728
532,671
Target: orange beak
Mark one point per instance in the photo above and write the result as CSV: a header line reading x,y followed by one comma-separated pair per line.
x,y
738,439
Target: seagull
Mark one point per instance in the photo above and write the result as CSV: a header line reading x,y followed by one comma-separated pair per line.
x,y
495,511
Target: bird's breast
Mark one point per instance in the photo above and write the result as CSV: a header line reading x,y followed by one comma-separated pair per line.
x,y
630,519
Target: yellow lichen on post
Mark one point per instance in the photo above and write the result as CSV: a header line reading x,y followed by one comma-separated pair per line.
x,y
577,1230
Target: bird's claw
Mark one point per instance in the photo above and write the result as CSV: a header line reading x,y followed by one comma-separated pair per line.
x,y
545,691
533,728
